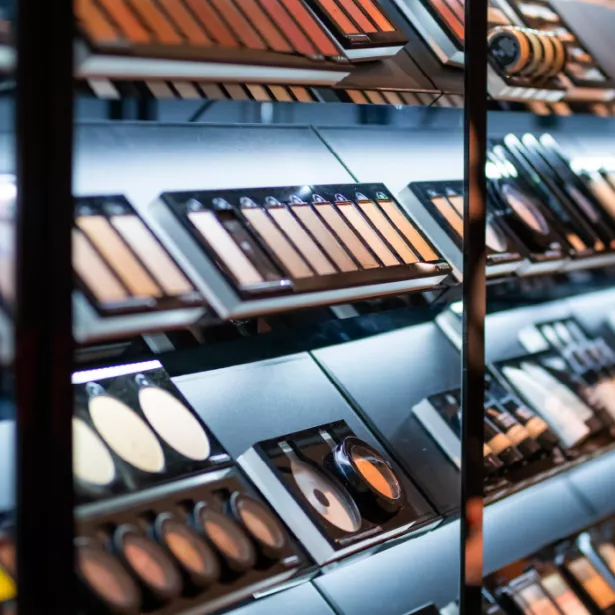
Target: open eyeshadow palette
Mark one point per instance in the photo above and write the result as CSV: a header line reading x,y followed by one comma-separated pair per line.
x,y
438,207
271,40
523,209
132,429
572,204
260,250
126,279
337,493
197,545
583,77
527,594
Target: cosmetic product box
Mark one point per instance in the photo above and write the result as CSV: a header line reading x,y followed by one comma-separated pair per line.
x,y
583,77
134,429
126,281
573,205
362,28
200,544
437,206
203,46
263,250
337,494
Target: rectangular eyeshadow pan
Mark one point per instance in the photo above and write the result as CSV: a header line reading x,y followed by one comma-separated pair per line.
x,y
375,12
301,94
261,21
358,16
156,21
95,23
280,93
239,24
287,24
339,17
449,18
258,92
185,22
213,24
126,21
313,29
449,213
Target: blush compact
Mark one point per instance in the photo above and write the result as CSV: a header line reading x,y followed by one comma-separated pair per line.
x,y
132,428
201,543
336,492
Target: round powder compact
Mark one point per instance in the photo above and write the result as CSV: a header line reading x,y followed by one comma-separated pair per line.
x,y
227,537
525,209
367,472
92,461
260,523
495,238
126,433
194,556
108,584
148,562
174,423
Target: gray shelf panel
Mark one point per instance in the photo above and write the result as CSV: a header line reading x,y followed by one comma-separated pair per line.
x,y
143,160
301,600
385,376
530,519
595,483
400,579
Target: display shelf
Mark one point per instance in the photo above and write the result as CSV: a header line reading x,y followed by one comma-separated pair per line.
x,y
302,600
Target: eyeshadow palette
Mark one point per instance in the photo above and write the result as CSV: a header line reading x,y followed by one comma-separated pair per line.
x,y
583,78
598,546
126,279
280,40
438,207
254,251
362,27
132,428
570,201
559,590
522,210
203,544
337,493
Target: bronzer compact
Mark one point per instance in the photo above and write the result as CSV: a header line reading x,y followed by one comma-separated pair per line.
x,y
197,545
132,428
438,207
255,251
521,209
337,493
126,280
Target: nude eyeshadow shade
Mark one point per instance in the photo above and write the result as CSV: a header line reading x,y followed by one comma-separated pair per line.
x,y
92,462
525,209
241,27
229,539
386,228
149,563
95,23
375,471
449,213
173,421
156,21
127,21
346,234
185,22
106,579
194,556
125,432
299,40
211,21
366,231
260,523
267,28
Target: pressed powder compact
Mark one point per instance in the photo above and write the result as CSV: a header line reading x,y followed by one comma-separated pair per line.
x,y
336,492
126,279
132,428
438,208
254,251
205,542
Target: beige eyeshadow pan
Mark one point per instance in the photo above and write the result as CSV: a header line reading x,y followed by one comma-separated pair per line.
x,y
118,256
450,215
225,247
324,236
379,220
94,272
304,243
144,244
367,232
347,236
277,242
408,230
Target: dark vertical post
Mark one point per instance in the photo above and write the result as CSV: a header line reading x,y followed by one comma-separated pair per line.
x,y
43,328
474,291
